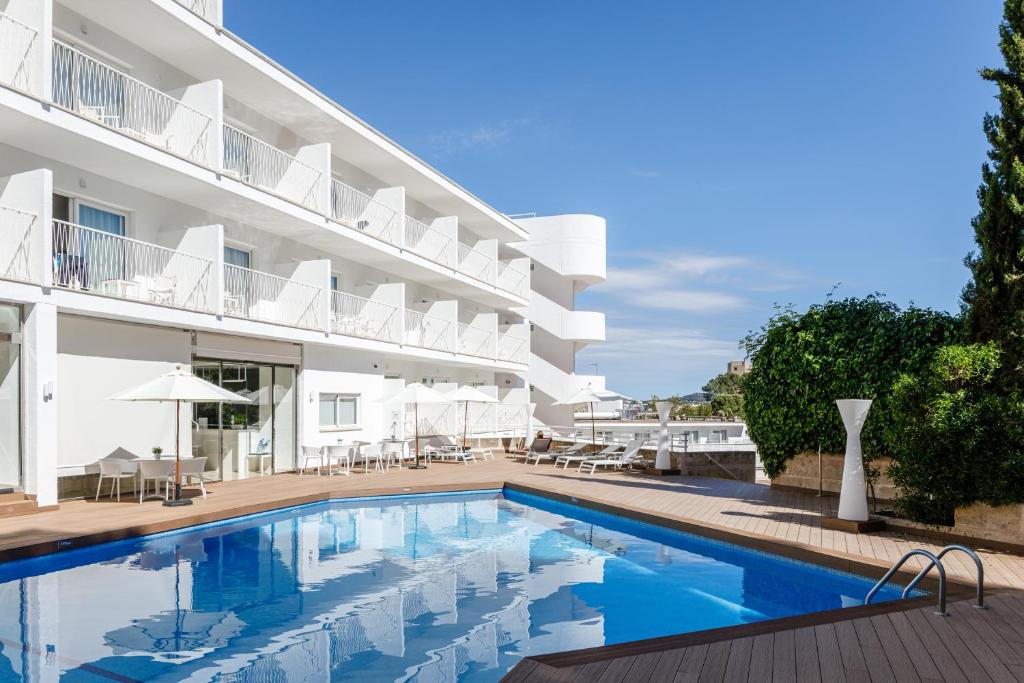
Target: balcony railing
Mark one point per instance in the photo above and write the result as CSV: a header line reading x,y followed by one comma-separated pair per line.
x,y
17,234
204,8
428,331
17,41
475,264
256,163
364,213
512,349
111,265
268,298
432,245
476,341
358,317
512,279
116,100
494,418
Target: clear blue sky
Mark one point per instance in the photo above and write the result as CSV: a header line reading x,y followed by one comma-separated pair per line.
x,y
744,153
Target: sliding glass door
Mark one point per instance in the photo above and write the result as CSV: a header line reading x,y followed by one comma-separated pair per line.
x,y
242,440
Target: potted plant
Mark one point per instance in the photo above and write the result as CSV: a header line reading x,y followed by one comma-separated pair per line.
x,y
157,452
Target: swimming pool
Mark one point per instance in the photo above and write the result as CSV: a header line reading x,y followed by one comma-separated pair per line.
x,y
426,588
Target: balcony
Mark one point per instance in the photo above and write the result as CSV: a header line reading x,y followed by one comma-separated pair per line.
x,y
513,349
476,264
432,245
513,280
102,263
476,341
17,41
355,316
267,168
117,101
207,9
364,213
254,295
429,332
17,234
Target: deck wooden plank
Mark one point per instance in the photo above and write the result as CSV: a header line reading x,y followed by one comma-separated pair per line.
x,y
738,666
918,653
850,651
829,658
761,653
784,657
643,668
871,648
691,664
667,666
715,662
806,650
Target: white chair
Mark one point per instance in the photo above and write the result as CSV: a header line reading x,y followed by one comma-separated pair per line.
x,y
192,470
157,471
628,458
311,454
161,289
112,469
392,452
342,455
372,453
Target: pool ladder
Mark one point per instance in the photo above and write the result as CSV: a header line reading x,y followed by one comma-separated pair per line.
x,y
934,560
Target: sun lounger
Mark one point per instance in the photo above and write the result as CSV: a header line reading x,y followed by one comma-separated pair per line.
x,y
628,458
540,449
576,454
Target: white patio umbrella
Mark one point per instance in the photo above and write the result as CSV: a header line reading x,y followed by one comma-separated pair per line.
x,y
467,394
178,385
416,394
590,395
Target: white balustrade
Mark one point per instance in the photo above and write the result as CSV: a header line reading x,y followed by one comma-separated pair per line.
x,y
269,298
513,349
102,263
512,279
476,264
421,239
256,163
358,317
17,235
17,45
116,100
476,341
204,8
364,213
494,419
428,331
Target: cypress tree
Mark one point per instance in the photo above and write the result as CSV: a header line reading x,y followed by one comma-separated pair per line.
x,y
994,300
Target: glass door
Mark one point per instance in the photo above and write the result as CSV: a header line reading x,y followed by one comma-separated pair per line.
x,y
10,398
242,440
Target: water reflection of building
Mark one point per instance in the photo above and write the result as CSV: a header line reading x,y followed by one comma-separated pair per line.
x,y
422,591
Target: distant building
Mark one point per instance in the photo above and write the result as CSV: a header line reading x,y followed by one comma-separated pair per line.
x,y
737,367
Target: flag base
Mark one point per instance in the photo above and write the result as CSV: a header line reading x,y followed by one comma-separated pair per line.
x,y
416,467
176,503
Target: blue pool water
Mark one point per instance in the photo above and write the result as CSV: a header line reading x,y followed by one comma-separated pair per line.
x,y
424,588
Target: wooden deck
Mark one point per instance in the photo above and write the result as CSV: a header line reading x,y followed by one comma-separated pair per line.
x,y
990,644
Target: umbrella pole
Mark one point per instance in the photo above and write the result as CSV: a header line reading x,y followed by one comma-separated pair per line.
x,y
178,500
465,425
593,426
416,420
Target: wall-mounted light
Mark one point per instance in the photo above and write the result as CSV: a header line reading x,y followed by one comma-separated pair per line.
x,y
312,396
48,391
81,183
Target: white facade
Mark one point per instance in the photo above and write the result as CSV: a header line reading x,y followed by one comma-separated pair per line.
x,y
170,196
567,255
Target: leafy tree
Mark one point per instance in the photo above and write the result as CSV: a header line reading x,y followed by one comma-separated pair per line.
x,y
726,394
954,439
994,299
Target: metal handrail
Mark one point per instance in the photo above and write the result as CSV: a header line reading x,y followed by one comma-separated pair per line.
x,y
980,588
936,562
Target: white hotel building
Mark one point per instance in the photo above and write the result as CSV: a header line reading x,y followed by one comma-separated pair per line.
x,y
170,196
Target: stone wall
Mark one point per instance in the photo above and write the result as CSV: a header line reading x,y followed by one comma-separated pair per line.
x,y
740,465
1004,523
802,472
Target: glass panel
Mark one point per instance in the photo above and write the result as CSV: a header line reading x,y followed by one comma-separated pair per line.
x,y
98,219
327,410
236,257
10,398
347,410
206,418
334,283
284,419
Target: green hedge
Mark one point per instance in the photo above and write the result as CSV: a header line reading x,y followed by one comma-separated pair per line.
x,y
848,348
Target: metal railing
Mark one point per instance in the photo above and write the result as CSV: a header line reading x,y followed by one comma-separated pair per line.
x,y
428,331
17,42
476,341
264,166
513,349
111,265
475,264
493,418
114,99
269,298
358,317
512,279
364,213
204,8
934,561
979,576
432,245
17,234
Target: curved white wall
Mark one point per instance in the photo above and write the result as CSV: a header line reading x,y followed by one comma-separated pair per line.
x,y
572,245
580,326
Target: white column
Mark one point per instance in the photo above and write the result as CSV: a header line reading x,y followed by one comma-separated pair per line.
x,y
853,496
663,461
39,401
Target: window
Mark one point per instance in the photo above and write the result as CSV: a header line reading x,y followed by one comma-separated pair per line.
x,y
237,257
101,219
339,411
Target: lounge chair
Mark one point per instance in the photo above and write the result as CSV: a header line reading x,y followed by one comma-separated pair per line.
x,y
628,458
569,456
540,449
